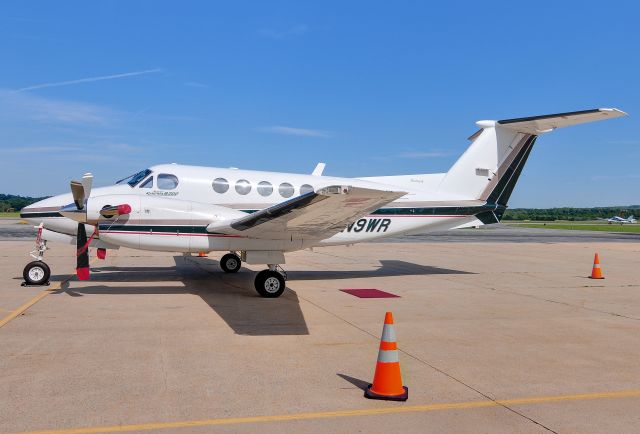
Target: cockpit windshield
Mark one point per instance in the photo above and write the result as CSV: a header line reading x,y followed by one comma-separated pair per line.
x,y
134,179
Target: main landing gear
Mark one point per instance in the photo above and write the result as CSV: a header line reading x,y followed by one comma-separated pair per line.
x,y
37,272
271,283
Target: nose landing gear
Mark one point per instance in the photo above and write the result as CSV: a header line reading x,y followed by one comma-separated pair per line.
x,y
37,272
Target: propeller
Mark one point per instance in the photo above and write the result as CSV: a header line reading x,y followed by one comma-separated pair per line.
x,y
82,266
80,190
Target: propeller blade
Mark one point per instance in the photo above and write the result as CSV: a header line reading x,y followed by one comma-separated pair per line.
x,y
77,191
87,182
82,267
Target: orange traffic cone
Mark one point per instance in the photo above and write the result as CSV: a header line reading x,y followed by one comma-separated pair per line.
x,y
202,254
596,272
387,381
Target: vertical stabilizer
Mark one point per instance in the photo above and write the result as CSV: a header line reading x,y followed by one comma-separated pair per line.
x,y
491,166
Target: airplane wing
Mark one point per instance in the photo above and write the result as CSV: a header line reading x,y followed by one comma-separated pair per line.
x,y
542,124
317,214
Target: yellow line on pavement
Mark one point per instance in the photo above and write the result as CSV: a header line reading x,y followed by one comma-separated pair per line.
x,y
396,409
19,311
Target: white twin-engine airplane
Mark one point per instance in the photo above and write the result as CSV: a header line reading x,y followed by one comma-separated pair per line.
x,y
259,216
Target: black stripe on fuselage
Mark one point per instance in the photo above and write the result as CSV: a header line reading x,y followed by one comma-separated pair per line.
x,y
35,215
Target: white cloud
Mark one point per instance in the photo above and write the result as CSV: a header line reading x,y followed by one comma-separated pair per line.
x,y
93,149
290,131
24,106
282,34
88,79
42,149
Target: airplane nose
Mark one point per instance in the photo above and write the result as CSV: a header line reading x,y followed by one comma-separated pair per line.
x,y
48,207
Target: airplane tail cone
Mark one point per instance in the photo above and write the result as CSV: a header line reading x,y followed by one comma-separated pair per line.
x,y
387,380
596,272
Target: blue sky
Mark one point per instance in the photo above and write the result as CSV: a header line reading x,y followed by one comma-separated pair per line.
x,y
370,88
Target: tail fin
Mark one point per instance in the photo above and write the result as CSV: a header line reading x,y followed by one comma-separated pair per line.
x,y
491,166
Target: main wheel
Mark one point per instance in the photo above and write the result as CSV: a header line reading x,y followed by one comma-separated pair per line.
x,y
269,284
230,263
36,273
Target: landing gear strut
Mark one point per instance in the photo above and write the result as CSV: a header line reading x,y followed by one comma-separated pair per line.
x,y
271,283
37,272
230,263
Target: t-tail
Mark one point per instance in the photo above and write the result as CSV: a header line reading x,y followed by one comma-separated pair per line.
x,y
490,167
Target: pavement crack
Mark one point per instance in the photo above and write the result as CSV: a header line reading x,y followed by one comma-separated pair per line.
x,y
564,303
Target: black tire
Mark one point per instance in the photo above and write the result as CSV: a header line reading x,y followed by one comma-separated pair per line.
x,y
230,263
270,284
36,273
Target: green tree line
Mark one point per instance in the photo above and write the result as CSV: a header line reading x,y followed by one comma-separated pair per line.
x,y
570,214
10,202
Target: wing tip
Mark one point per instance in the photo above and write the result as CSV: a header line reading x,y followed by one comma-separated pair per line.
x,y
614,111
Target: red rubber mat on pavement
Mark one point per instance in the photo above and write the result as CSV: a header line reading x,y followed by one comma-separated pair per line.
x,y
369,293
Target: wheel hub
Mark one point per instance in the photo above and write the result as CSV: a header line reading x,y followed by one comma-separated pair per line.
x,y
36,273
272,285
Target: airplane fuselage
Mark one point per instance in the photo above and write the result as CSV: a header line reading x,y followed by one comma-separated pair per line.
x,y
173,204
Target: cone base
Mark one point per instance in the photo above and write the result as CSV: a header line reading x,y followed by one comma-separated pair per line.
x,y
591,277
372,395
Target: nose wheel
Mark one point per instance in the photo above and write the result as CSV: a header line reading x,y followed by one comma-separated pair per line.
x,y
36,273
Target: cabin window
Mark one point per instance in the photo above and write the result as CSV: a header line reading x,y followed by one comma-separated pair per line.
x,y
265,188
167,181
134,179
306,188
148,183
220,185
243,186
285,189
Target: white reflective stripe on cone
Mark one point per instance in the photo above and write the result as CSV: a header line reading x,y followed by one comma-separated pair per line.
x,y
388,333
388,356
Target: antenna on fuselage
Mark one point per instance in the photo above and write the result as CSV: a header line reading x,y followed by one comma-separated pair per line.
x,y
318,170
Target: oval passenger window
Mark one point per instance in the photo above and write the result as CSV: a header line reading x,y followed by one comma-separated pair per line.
x,y
306,188
243,186
167,182
220,185
285,189
265,188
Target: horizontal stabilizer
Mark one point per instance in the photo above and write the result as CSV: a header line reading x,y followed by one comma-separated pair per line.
x,y
545,123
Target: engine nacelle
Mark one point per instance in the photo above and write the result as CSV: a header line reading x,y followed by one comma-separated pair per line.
x,y
135,209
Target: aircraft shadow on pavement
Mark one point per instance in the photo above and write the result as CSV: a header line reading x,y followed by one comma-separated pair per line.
x,y
388,268
231,296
